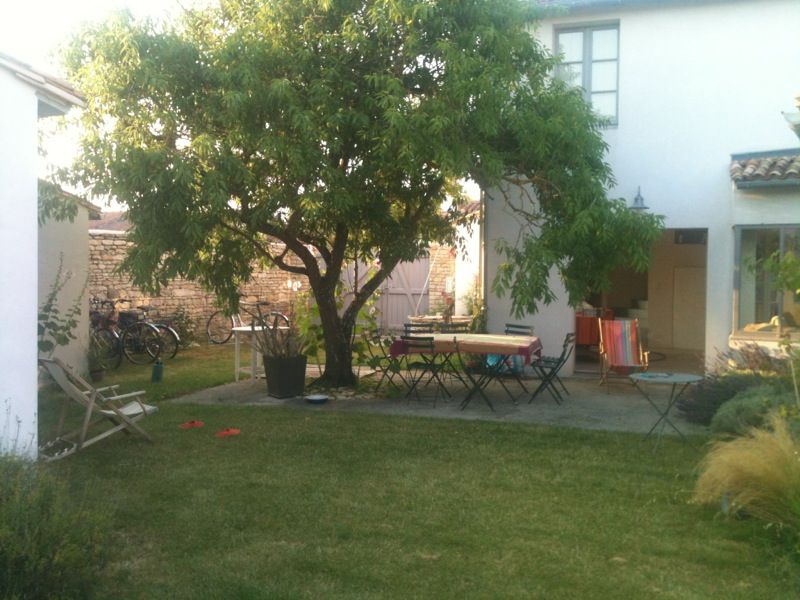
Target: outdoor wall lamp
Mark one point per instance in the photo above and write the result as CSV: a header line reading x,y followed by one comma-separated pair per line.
x,y
638,201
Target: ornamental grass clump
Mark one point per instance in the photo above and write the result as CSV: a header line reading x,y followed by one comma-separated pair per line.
x,y
757,474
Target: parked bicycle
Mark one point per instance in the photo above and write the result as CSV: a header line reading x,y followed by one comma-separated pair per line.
x,y
219,327
170,340
123,333
104,337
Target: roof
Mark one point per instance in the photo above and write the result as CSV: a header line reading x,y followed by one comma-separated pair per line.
x,y
776,168
581,5
112,221
56,95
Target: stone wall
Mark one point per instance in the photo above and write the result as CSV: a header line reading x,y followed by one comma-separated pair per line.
x,y
441,283
107,249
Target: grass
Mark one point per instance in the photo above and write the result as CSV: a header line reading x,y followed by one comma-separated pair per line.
x,y
312,504
193,369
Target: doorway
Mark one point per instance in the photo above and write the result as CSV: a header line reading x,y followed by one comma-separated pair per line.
x,y
669,301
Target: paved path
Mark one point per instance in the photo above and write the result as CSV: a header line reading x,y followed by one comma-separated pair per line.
x,y
588,406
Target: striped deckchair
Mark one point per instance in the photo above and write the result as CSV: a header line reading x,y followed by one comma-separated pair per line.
x,y
620,349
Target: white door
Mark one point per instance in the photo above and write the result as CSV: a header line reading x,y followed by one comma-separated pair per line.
x,y
689,308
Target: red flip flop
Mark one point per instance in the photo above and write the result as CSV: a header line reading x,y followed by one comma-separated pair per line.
x,y
191,424
227,432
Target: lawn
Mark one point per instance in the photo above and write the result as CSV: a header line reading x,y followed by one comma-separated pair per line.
x,y
306,504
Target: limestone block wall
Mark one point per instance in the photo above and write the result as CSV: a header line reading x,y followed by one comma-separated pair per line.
x,y
107,250
441,282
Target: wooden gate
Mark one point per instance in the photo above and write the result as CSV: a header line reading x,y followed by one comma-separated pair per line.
x,y
404,293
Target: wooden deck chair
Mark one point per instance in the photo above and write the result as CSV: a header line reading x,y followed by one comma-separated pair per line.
x,y
620,349
120,411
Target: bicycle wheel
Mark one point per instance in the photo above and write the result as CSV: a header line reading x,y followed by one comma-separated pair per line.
x,y
141,343
219,328
169,340
277,320
106,342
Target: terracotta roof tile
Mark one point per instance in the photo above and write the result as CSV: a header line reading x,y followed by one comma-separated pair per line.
x,y
760,169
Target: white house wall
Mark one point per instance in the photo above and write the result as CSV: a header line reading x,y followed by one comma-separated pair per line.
x,y
697,83
552,321
70,239
18,258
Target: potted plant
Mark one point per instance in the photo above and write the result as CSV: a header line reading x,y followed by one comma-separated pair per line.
x,y
283,348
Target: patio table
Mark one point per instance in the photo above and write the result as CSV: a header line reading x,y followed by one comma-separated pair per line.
x,y
237,345
254,369
679,382
528,347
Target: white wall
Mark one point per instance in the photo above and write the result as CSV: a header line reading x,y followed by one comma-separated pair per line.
x,y
698,82
18,268
71,240
551,322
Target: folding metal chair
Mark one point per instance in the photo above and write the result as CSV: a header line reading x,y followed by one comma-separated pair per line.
x,y
380,360
417,328
421,361
518,329
454,328
547,367
513,368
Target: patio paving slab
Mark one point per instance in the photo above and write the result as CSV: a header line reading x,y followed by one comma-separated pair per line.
x,y
589,406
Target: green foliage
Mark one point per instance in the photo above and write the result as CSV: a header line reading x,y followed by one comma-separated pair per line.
x,y
736,370
705,399
749,408
54,328
785,269
185,326
49,548
54,204
304,314
339,128
571,227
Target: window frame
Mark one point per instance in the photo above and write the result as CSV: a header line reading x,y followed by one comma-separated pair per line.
x,y
784,230
587,61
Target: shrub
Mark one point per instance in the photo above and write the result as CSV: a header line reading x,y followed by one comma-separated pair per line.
x,y
707,397
48,547
185,326
758,473
749,408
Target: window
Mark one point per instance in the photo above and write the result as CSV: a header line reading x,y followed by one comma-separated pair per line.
x,y
763,309
589,59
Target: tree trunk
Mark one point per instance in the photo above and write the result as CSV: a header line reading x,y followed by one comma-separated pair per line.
x,y
338,348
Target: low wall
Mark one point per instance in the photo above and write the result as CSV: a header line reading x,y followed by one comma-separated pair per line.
x,y
107,250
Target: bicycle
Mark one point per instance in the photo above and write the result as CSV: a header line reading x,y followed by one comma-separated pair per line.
x,y
219,327
170,340
137,340
104,337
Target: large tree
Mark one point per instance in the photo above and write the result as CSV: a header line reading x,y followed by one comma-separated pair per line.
x,y
339,128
